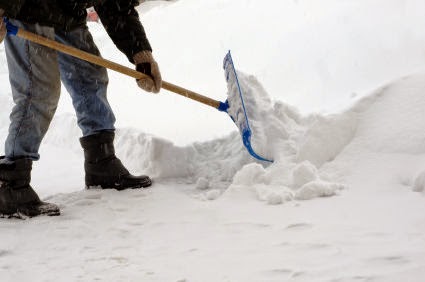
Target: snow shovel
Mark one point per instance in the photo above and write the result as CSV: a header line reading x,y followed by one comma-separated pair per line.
x,y
238,112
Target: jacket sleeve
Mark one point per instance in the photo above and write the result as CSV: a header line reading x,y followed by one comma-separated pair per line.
x,y
11,8
123,25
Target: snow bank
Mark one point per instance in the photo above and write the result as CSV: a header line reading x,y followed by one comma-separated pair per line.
x,y
380,135
310,152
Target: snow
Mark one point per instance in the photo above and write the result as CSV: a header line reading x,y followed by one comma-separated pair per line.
x,y
343,200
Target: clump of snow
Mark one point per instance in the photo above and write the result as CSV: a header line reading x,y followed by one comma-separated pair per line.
x,y
202,183
274,198
251,173
303,173
213,194
315,189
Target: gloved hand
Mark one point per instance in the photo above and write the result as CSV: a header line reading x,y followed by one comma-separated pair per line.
x,y
3,30
146,64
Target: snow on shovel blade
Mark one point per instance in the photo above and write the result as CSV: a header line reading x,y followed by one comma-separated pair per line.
x,y
236,106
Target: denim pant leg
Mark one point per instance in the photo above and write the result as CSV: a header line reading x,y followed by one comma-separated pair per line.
x,y
35,82
87,83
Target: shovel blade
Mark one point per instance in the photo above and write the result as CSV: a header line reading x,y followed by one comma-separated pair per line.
x,y
236,106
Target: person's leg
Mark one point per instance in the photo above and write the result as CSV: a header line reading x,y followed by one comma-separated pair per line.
x,y
35,82
87,85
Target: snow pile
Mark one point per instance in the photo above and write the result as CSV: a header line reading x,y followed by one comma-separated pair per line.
x,y
388,145
277,130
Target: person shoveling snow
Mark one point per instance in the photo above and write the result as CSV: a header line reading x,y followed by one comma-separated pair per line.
x,y
94,114
35,74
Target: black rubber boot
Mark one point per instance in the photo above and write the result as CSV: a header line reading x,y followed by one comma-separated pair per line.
x,y
103,168
17,198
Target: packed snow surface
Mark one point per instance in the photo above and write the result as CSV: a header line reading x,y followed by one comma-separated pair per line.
x,y
342,201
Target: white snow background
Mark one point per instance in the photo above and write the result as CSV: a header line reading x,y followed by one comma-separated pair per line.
x,y
337,90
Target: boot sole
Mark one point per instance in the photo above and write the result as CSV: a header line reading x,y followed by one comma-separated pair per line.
x,y
95,182
24,212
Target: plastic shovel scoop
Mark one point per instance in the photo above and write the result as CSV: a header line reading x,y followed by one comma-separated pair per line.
x,y
234,105
237,109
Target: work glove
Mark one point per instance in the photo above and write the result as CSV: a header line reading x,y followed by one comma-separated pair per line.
x,y
3,30
146,64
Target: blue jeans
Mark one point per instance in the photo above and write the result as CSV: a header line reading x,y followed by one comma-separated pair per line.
x,y
35,73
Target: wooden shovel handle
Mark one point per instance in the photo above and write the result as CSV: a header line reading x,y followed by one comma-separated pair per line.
x,y
113,66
